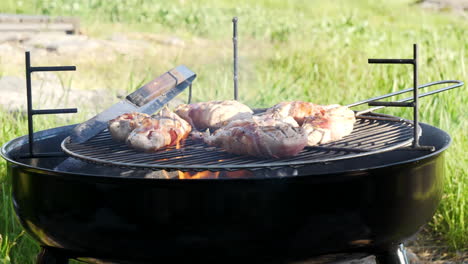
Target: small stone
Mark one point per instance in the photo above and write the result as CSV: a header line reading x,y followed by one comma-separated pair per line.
x,y
412,258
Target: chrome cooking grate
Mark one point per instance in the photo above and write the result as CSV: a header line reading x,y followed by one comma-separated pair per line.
x,y
371,135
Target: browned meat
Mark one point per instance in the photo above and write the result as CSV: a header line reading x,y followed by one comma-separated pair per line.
x,y
213,114
297,109
329,125
163,129
121,126
272,120
247,137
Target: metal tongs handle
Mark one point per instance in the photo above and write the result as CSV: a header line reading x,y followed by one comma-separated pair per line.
x,y
456,84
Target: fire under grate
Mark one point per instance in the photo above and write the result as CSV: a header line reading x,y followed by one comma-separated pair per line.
x,y
371,135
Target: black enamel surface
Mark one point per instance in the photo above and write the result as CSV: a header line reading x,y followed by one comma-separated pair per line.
x,y
366,203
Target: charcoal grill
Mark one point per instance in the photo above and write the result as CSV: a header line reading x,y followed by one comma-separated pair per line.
x,y
367,204
369,192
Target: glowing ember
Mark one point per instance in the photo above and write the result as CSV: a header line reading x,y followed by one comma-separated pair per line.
x,y
198,175
215,174
166,175
238,174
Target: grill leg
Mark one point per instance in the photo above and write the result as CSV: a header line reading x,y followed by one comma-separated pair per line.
x,y
50,256
392,255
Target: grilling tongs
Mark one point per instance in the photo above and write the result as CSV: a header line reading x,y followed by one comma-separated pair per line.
x,y
455,83
404,103
147,99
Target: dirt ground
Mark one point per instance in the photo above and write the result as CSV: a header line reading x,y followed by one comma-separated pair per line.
x,y
430,249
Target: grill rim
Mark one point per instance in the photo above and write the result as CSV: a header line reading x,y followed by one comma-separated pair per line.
x,y
250,165
11,149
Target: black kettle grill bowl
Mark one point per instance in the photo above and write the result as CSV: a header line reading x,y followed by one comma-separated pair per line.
x,y
371,203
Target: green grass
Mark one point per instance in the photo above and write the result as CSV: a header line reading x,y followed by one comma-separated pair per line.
x,y
289,50
13,244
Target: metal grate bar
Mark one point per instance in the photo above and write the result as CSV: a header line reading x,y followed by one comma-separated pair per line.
x,y
369,140
369,136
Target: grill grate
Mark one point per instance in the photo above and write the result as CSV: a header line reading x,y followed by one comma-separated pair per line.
x,y
371,135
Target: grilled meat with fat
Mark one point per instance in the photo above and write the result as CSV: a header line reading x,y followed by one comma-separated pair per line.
x,y
272,120
213,114
328,125
121,126
297,109
161,130
253,138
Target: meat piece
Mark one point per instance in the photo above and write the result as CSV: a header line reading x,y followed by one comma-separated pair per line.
x,y
247,137
213,114
163,129
272,120
297,109
328,125
260,120
121,126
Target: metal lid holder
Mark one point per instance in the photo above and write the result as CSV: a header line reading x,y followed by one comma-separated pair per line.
x,y
414,103
32,112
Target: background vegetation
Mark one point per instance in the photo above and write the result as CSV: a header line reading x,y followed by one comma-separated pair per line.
x,y
289,50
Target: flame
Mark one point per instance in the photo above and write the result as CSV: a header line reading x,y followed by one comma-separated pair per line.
x,y
177,146
215,175
199,175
